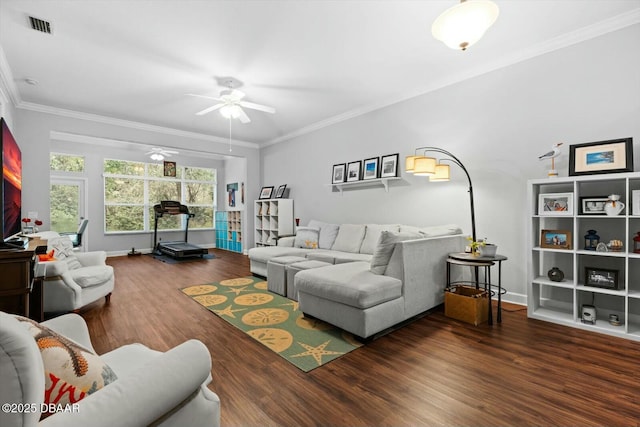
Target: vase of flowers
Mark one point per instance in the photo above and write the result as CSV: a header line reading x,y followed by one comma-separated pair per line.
x,y
30,226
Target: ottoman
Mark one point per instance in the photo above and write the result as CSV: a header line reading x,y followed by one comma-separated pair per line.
x,y
292,269
276,274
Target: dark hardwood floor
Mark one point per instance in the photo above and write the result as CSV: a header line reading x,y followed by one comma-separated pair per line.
x,y
432,372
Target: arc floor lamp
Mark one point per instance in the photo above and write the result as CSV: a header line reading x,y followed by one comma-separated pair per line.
x,y
436,170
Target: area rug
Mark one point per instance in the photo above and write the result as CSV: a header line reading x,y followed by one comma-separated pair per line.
x,y
274,321
171,260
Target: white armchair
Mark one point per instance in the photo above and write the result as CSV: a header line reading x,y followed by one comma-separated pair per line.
x,y
76,279
152,388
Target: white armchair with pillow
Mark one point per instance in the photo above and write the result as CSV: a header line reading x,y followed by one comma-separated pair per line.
x,y
75,279
54,361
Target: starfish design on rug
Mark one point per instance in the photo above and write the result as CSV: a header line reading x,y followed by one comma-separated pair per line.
x,y
317,352
228,311
237,290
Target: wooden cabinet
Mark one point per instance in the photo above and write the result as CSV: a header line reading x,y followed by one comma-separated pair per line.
x,y
274,219
619,292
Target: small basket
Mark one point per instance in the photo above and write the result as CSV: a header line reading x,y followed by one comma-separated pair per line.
x,y
467,304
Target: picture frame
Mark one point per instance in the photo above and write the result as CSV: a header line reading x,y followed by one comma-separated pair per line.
x,y
613,156
338,174
169,169
354,170
231,193
593,205
555,204
280,191
265,193
389,165
601,277
555,239
370,168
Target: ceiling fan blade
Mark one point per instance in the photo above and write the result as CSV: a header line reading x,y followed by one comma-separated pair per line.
x,y
210,109
243,116
257,107
203,96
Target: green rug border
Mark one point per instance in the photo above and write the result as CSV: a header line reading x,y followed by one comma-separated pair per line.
x,y
314,343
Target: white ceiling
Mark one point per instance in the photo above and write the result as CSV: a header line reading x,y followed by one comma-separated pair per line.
x,y
316,62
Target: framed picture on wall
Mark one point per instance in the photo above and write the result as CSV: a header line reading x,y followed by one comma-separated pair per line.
x,y
370,169
170,169
265,193
389,165
611,156
353,171
339,174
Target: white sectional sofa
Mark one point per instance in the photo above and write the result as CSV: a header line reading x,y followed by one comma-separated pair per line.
x,y
376,276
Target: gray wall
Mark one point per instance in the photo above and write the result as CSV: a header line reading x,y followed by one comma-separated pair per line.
x,y
497,124
33,132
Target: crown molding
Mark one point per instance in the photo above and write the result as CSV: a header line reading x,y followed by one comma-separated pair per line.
x,y
131,124
7,85
583,34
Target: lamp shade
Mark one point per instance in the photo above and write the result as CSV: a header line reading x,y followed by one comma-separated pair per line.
x,y
442,173
409,164
424,166
462,25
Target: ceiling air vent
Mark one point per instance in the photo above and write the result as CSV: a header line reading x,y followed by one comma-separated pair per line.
x,y
40,25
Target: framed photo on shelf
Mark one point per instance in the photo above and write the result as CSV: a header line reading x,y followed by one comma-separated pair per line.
x,y
389,165
370,168
265,193
593,205
611,156
338,174
601,277
353,171
555,239
280,191
555,204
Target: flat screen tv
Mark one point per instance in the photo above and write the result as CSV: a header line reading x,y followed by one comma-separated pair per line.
x,y
11,190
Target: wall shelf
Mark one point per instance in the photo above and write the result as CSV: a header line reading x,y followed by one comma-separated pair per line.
x,y
378,182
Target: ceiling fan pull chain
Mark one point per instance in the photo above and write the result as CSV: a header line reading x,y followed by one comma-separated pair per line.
x,y
230,134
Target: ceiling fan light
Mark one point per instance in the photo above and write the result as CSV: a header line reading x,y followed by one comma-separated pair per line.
x,y
462,25
157,156
230,111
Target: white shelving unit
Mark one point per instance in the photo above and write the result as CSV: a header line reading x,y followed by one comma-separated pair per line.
x,y
274,219
561,302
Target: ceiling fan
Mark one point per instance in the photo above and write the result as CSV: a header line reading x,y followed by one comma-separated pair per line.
x,y
159,153
230,102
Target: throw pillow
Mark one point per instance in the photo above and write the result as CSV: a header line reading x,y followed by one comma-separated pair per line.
x,y
71,371
328,233
372,235
61,246
349,238
306,237
385,247
73,263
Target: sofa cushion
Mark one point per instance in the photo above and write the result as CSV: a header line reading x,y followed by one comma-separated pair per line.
x,y
328,233
351,284
372,235
71,371
385,247
94,275
307,237
349,238
337,257
264,254
435,231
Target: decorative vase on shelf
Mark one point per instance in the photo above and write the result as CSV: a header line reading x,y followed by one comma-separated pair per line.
x,y
488,250
555,275
613,206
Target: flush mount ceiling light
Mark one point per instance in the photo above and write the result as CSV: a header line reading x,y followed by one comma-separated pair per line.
x,y
462,25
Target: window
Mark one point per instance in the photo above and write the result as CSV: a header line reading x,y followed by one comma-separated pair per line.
x,y
66,191
66,163
131,189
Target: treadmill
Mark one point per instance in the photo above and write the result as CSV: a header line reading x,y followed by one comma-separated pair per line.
x,y
176,249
